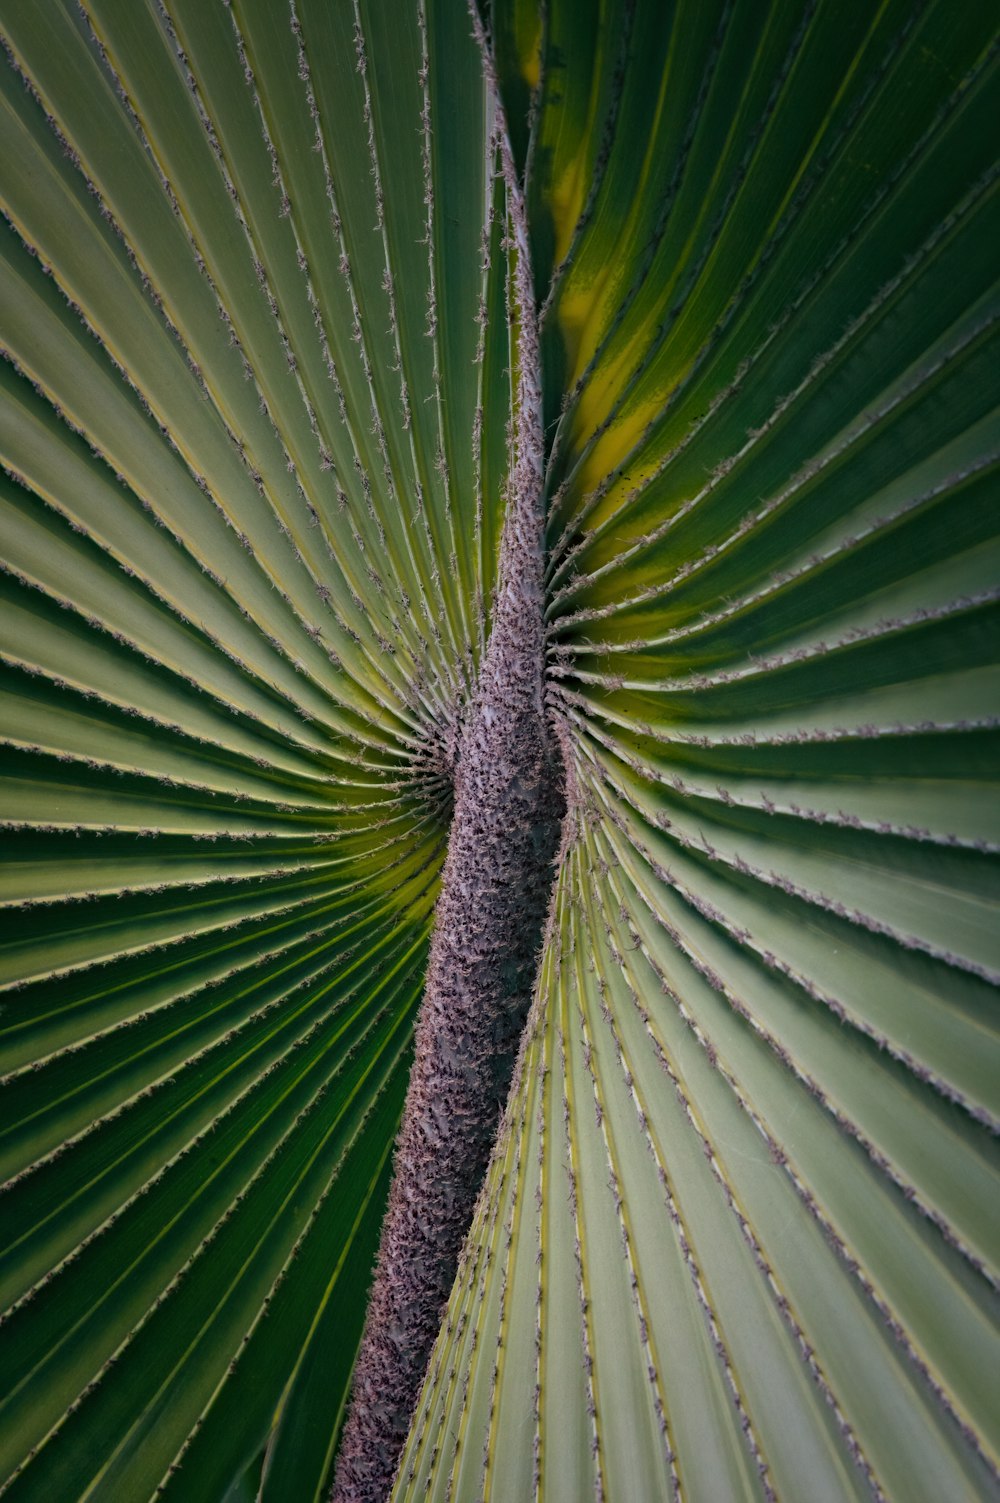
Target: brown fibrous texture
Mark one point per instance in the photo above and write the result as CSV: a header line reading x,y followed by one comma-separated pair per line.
x,y
497,877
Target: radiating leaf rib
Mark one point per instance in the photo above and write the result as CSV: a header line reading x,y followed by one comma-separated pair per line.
x,y
160,476
963,98
347,331
133,1139
180,1330
286,515
849,273
954,912
847,1076
300,1452
350,446
957,1286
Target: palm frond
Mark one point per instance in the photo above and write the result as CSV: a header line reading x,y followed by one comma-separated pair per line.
x,y
738,1238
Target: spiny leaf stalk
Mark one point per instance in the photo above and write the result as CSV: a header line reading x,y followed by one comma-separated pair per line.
x,y
509,806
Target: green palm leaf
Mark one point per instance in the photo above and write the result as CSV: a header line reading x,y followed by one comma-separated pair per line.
x,y
240,621
738,1235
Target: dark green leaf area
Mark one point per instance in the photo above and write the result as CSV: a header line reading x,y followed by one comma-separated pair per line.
x,y
248,1196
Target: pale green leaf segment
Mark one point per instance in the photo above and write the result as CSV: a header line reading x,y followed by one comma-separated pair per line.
x,y
739,1238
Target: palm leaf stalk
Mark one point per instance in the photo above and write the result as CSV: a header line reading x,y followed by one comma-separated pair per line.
x,y
483,956
328,332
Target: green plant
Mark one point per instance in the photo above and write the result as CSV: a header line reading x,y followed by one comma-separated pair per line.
x,y
268,343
